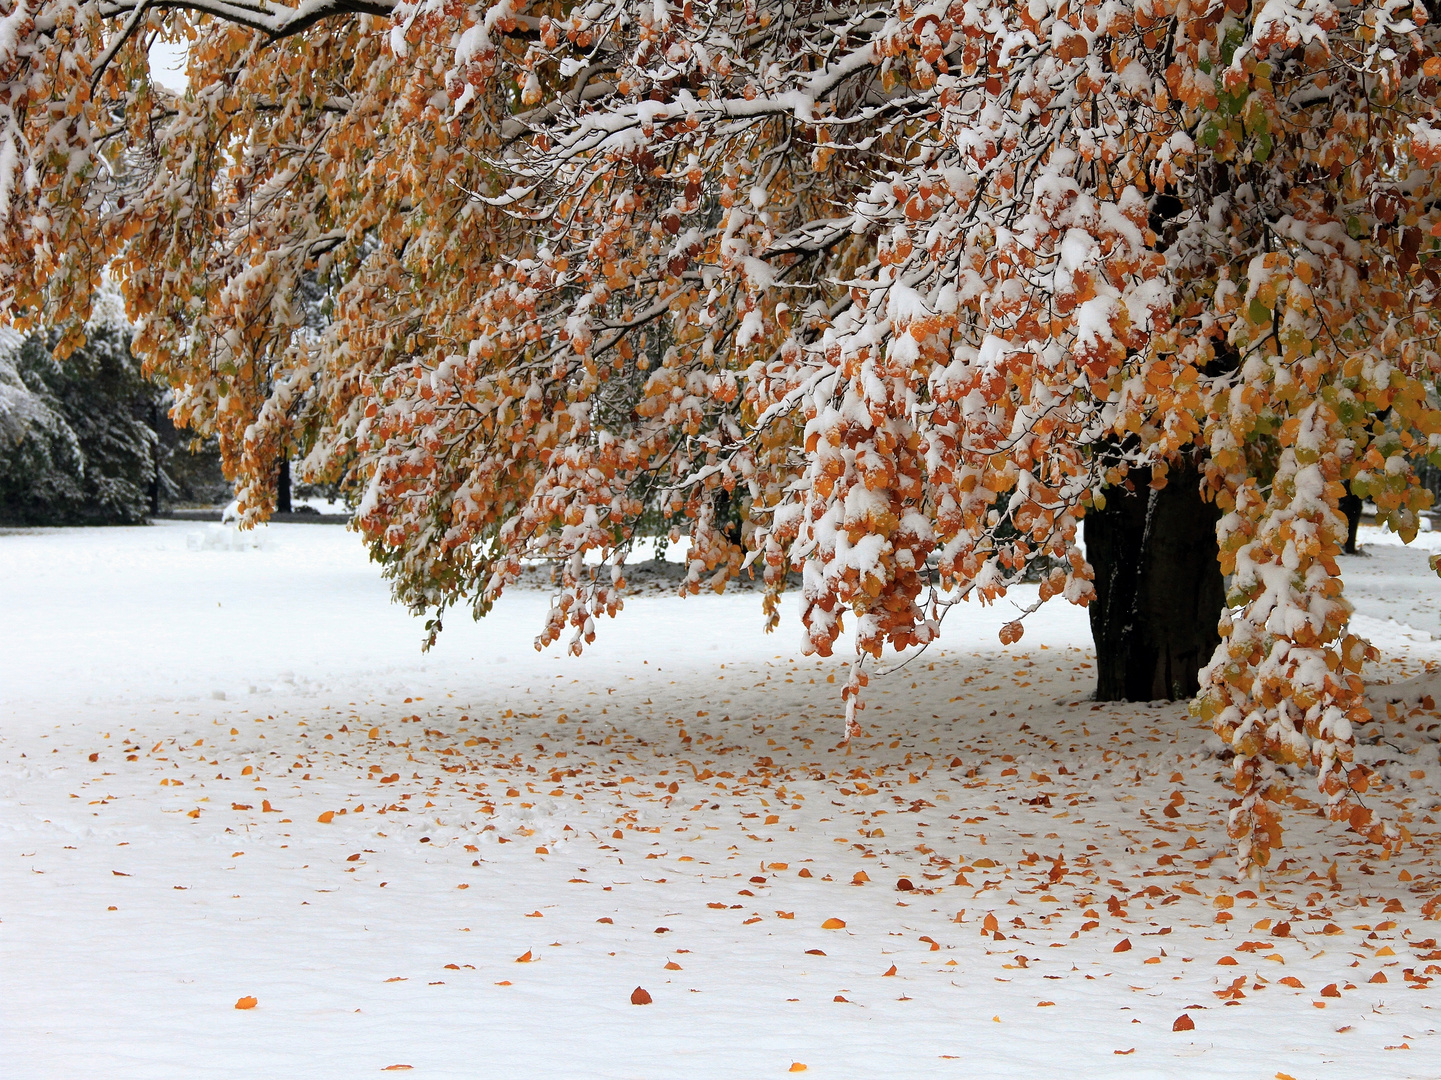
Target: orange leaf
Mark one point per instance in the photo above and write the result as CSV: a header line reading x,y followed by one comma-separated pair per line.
x,y
861,878
1124,945
1329,990
523,959
989,924
327,817
639,996
796,1066
671,965
1291,980
246,1003
833,924
889,971
396,1068
1184,1023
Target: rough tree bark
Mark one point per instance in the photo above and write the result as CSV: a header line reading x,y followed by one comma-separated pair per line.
x,y
1159,590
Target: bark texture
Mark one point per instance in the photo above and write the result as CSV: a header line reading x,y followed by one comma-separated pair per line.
x,y
1159,590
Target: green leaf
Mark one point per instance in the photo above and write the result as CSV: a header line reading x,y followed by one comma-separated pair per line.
x,y
1263,147
1258,312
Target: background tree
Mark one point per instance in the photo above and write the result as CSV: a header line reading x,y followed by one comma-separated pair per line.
x,y
912,286
81,449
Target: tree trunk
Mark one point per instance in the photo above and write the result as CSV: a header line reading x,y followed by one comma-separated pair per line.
x,y
155,460
282,488
1159,590
1351,506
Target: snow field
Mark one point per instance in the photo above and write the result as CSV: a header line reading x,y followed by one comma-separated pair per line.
x,y
228,773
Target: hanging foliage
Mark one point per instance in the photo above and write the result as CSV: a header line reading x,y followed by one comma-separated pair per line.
x,y
889,293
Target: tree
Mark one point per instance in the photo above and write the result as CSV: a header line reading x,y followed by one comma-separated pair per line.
x,y
1159,590
909,287
79,448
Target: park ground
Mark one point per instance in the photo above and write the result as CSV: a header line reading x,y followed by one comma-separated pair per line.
x,y
229,776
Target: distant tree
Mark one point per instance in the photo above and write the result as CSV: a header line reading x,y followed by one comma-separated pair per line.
x,y
89,440
84,451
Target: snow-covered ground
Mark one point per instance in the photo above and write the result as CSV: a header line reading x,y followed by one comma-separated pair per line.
x,y
228,774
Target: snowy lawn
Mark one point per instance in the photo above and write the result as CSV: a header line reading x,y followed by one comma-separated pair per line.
x,y
231,774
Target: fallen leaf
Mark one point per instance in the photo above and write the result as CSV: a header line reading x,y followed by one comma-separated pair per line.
x,y
396,1068
671,965
1123,1053
833,924
889,971
1184,1023
639,996
524,959
246,1003
1124,945
327,817
796,1066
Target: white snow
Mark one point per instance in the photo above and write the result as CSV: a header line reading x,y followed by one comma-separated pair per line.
x,y
129,928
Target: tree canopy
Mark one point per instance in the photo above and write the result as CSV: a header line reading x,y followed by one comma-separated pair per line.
x,y
888,292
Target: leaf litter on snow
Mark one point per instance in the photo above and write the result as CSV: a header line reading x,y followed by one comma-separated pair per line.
x,y
994,841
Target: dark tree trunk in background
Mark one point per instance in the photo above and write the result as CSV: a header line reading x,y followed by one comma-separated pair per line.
x,y
1159,590
282,487
1351,506
155,461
